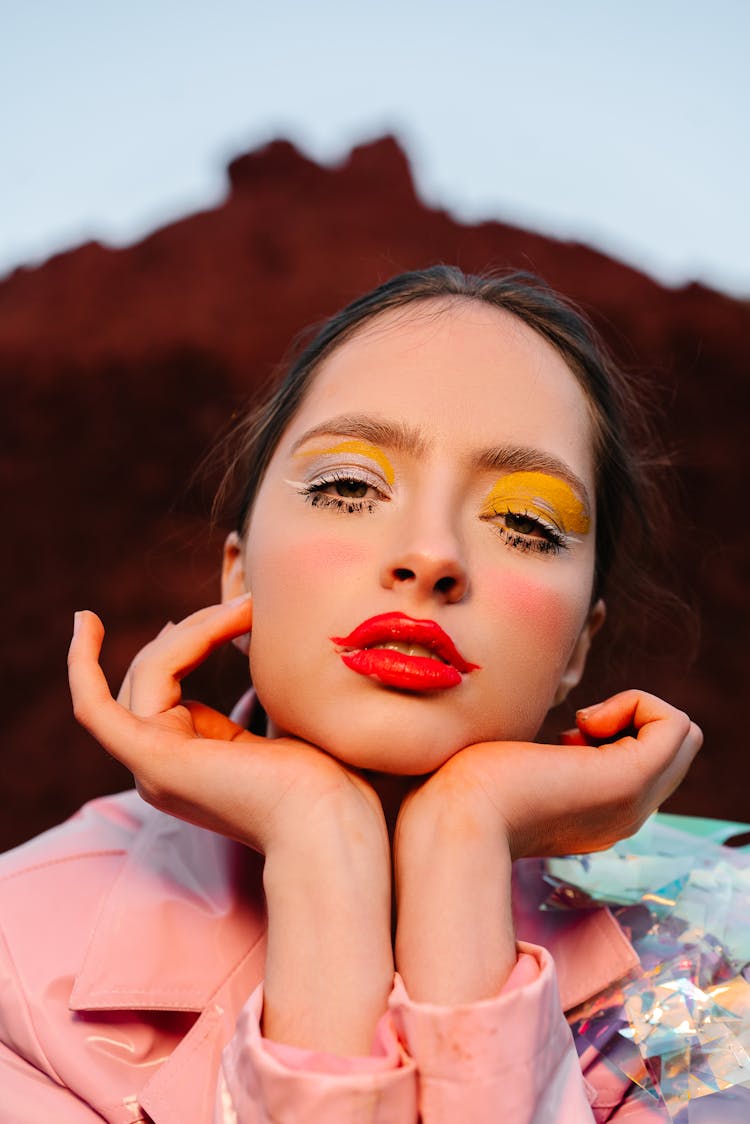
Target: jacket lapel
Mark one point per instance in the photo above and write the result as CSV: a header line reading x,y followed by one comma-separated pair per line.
x,y
184,909
589,948
183,928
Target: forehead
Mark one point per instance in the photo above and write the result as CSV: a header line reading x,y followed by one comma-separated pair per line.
x,y
464,374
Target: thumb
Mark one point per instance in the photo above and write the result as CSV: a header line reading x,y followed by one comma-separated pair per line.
x,y
212,724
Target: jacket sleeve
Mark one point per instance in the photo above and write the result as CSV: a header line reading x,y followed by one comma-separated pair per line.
x,y
28,1096
510,1058
262,1082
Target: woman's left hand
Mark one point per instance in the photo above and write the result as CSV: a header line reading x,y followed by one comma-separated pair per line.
x,y
458,832
626,757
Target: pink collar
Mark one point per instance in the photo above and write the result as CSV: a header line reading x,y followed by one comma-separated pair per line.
x,y
186,909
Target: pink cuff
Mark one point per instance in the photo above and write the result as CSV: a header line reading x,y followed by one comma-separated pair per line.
x,y
263,1082
514,1050
385,1054
528,1006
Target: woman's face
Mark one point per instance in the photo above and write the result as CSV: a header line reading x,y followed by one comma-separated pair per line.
x,y
438,471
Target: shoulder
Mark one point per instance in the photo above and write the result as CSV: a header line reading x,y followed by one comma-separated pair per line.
x,y
70,866
108,825
112,910
51,890
52,887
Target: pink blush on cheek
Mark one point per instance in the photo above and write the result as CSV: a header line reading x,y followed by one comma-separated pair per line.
x,y
324,555
550,613
314,562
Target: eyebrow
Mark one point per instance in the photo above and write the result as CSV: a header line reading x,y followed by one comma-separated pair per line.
x,y
392,435
523,458
410,440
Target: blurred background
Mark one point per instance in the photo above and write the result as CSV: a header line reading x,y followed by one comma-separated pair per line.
x,y
184,187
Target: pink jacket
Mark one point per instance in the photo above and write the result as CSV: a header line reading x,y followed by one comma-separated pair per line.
x,y
131,966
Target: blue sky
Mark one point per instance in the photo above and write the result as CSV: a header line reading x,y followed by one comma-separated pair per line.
x,y
621,124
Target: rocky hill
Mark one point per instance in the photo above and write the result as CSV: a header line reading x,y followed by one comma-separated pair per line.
x,y
119,367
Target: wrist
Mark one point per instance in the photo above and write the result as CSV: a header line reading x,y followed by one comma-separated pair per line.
x,y
340,828
448,806
454,937
329,960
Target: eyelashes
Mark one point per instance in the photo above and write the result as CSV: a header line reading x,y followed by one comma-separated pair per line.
x,y
351,492
527,532
344,491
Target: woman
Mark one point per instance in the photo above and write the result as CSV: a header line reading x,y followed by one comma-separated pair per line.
x,y
434,499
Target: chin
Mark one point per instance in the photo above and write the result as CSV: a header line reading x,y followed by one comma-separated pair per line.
x,y
387,730
393,733
403,758
408,754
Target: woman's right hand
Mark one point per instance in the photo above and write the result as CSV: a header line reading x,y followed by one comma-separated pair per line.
x,y
327,875
195,763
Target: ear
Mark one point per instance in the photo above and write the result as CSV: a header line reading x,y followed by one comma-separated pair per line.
x,y
571,677
233,580
232,570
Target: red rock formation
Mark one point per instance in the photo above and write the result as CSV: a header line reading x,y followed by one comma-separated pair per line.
x,y
119,367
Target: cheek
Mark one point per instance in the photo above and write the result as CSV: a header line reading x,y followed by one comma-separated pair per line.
x,y
324,555
298,584
546,614
286,565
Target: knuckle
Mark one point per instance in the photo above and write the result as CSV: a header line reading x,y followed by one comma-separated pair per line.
x,y
81,712
684,721
139,660
150,789
153,786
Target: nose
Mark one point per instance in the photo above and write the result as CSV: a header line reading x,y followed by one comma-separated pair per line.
x,y
430,570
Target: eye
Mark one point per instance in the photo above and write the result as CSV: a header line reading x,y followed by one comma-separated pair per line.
x,y
345,490
524,531
523,524
351,489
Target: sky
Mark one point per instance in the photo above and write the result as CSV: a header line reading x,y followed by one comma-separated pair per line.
x,y
620,123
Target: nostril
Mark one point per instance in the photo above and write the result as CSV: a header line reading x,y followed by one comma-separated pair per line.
x,y
403,575
445,585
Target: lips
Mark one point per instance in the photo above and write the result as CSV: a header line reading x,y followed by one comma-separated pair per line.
x,y
386,648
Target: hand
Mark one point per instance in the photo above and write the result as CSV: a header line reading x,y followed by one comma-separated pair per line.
x,y
194,762
458,832
626,757
329,961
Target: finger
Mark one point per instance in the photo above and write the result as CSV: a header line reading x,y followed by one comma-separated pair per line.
x,y
124,694
659,743
157,671
112,726
632,710
572,737
676,769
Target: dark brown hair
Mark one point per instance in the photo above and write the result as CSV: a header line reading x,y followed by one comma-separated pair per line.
x,y
626,501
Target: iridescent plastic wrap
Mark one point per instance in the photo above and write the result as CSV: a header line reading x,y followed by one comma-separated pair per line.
x,y
678,1027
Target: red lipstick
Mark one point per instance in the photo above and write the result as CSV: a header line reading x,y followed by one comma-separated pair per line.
x,y
368,655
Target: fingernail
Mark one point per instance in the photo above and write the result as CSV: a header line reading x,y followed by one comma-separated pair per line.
x,y
587,711
76,622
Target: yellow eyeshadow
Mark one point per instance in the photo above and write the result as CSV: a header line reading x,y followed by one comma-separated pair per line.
x,y
360,449
537,493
